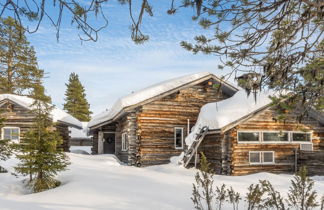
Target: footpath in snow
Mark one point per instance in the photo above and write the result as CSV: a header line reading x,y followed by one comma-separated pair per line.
x,y
101,182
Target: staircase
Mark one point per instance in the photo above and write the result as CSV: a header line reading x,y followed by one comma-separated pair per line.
x,y
192,150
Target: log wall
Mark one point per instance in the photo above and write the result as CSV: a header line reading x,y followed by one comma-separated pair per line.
x,y
156,121
284,152
19,116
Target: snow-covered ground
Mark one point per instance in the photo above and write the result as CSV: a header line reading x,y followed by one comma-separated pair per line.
x,y
101,182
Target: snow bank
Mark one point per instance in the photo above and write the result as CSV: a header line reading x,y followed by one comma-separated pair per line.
x,y
219,114
56,114
101,182
86,150
145,94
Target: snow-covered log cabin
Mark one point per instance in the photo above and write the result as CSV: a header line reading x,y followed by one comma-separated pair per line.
x,y
241,136
149,126
18,119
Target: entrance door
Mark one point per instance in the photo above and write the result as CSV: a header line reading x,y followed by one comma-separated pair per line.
x,y
109,143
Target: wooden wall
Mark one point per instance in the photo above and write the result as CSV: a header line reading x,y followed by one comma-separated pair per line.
x,y
156,121
284,152
19,116
150,127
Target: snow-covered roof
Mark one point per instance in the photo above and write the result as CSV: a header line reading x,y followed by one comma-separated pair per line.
x,y
220,114
58,115
153,91
80,133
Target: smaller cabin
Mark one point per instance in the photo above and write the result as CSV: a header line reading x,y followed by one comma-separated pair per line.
x,y
19,119
241,135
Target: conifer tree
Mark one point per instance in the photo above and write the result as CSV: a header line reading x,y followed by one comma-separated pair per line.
x,y
4,148
19,71
76,103
39,154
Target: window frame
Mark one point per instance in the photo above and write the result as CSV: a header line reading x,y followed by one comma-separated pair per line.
x,y
124,145
255,163
249,131
175,137
261,159
273,158
300,142
10,127
274,142
261,138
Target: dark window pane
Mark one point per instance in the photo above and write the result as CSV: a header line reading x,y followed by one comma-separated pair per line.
x,y
244,136
301,137
268,157
255,157
275,136
178,137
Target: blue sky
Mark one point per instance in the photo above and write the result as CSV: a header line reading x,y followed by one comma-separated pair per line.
x,y
114,66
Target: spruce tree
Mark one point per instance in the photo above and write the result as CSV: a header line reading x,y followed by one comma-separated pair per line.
x,y
19,70
76,103
4,148
39,154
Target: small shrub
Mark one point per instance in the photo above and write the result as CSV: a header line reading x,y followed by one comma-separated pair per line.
x,y
220,196
273,199
202,194
233,198
301,195
254,197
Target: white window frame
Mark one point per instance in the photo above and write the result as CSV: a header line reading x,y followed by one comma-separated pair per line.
x,y
175,137
249,131
261,155
290,136
10,127
274,142
273,158
300,142
124,142
255,163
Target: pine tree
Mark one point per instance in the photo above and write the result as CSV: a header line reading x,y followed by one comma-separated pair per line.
x,y
76,103
39,154
19,70
4,148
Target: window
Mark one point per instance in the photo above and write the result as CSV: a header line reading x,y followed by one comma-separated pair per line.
x,y
275,136
10,133
178,138
255,157
248,136
300,136
268,157
261,157
124,142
